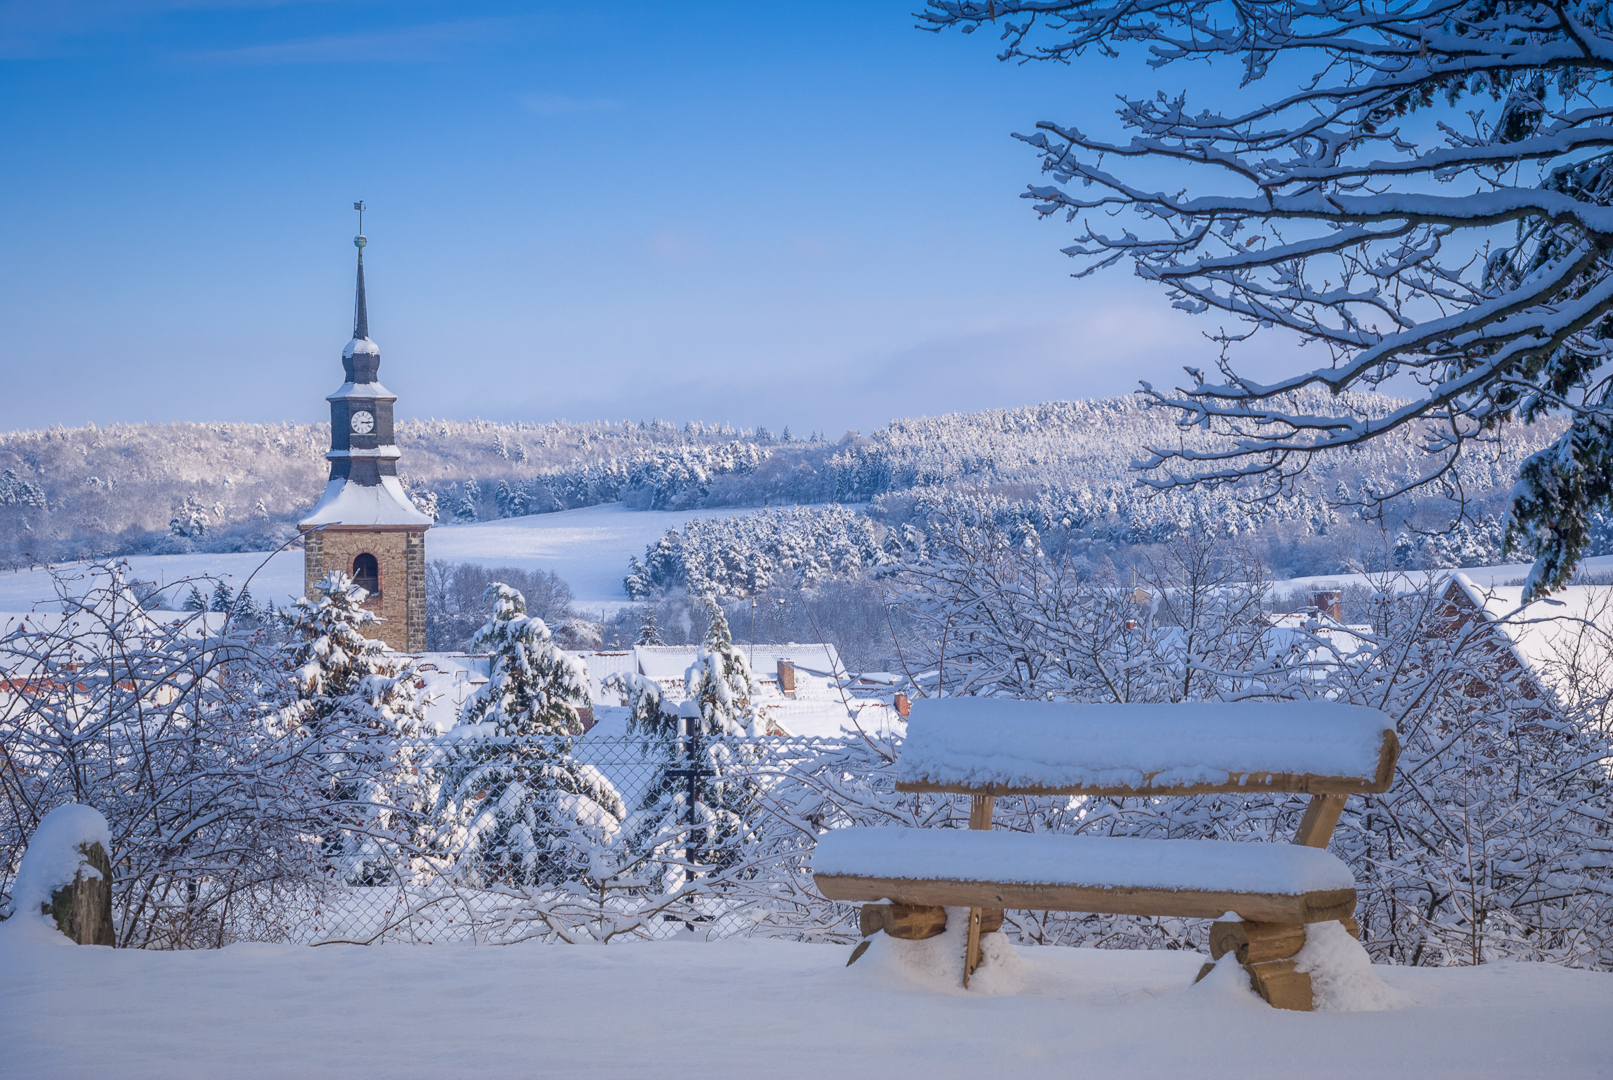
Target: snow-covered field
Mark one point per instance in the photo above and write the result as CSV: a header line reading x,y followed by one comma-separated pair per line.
x,y
589,548
1485,577
753,1008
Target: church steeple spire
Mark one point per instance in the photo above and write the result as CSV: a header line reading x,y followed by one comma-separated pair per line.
x,y
361,313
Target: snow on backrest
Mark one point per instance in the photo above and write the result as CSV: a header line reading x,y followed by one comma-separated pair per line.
x,y
1029,746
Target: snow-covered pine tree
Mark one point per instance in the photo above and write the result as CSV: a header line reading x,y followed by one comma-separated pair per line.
x,y
720,680
358,698
649,631
223,597
704,735
525,811
195,601
465,506
246,608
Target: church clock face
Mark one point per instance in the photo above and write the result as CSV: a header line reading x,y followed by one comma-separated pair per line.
x,y
363,422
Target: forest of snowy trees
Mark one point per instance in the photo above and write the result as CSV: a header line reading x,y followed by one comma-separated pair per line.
x,y
1059,467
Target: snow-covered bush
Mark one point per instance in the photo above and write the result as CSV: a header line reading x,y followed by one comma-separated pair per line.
x,y
173,730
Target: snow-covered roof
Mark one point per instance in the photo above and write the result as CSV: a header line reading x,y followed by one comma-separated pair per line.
x,y
820,659
449,679
366,391
817,718
346,503
668,662
1063,746
84,634
1316,639
817,708
1570,629
361,347
664,663
601,666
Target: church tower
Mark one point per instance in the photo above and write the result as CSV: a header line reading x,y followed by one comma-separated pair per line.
x,y
365,525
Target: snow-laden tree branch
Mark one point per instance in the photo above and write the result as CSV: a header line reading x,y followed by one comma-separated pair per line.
x,y
1430,201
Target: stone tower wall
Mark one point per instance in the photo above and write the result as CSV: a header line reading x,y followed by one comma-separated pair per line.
x,y
401,557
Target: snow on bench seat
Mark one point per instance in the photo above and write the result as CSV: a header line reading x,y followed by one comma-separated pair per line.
x,y
1109,875
1000,747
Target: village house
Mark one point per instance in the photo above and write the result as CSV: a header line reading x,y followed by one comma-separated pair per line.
x,y
1557,650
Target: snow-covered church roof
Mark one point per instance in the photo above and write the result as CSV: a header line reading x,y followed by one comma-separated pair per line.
x,y
347,503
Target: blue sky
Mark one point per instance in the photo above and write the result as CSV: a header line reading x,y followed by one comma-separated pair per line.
x,y
798,214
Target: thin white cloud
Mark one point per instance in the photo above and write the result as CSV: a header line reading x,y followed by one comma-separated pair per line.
x,y
547,104
412,44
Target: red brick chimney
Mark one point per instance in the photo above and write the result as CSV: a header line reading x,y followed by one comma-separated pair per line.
x,y
1330,604
903,705
786,677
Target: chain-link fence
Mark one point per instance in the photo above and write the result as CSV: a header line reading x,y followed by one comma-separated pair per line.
x,y
496,840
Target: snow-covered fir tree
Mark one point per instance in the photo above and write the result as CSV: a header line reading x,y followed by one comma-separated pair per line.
x,y
525,811
649,632
719,681
223,597
195,601
465,508
702,736
359,699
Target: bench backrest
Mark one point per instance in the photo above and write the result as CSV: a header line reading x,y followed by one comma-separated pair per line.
x,y
986,746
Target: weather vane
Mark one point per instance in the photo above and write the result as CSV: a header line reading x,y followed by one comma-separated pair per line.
x,y
359,241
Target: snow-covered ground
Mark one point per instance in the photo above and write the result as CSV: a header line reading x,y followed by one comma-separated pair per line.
x,y
589,548
753,1008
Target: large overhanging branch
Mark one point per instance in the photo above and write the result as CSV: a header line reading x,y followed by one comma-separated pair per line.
x,y
1431,199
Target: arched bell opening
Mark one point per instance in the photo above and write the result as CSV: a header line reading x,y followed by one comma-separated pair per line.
x,y
367,574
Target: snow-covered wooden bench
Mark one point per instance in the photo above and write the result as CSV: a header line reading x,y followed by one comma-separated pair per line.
x,y
987,748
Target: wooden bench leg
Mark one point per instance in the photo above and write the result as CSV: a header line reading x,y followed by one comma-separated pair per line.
x,y
980,808
1255,942
916,922
1265,950
910,922
1281,985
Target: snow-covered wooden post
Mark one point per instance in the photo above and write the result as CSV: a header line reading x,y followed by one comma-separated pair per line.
x,y
82,908
66,876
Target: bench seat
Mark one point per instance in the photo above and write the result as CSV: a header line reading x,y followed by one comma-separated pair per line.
x,y
1283,883
985,746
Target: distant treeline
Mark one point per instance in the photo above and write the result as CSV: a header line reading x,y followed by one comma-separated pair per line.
x,y
1061,467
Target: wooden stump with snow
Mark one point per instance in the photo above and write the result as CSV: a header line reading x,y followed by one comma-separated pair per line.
x,y
65,881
